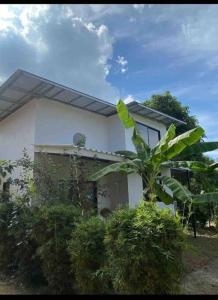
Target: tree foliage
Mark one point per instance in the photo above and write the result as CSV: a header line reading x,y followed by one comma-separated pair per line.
x,y
171,106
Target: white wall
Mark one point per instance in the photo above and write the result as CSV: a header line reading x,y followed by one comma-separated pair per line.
x,y
135,189
56,123
116,134
17,131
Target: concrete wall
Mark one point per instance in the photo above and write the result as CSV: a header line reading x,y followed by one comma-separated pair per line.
x,y
17,132
57,123
135,189
116,134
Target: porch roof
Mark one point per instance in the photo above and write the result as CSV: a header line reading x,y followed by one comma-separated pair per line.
x,y
22,87
70,149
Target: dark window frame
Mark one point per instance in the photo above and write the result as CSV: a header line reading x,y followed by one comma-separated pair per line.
x,y
149,127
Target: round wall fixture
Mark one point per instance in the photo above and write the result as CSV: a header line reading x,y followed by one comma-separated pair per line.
x,y
79,139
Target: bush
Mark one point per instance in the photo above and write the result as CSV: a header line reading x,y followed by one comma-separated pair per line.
x,y
88,257
52,231
144,248
17,248
27,266
7,245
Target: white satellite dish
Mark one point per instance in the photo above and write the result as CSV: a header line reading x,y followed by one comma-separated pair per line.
x,y
79,139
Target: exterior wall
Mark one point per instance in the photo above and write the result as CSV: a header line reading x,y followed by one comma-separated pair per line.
x,y
135,189
17,132
116,134
57,123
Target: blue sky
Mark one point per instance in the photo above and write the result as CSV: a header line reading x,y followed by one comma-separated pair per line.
x,y
112,51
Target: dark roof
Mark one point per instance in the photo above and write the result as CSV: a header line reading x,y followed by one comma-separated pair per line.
x,y
22,86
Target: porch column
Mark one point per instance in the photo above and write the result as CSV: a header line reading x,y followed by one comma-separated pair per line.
x,y
135,189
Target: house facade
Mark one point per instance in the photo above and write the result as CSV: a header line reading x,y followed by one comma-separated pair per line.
x,y
44,117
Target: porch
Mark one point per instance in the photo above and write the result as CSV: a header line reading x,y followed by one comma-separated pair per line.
x,y
75,164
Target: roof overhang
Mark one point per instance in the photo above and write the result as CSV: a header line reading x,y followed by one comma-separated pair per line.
x,y
147,112
79,151
23,86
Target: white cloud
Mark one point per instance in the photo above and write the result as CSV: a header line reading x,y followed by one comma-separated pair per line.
x,y
55,43
123,62
129,99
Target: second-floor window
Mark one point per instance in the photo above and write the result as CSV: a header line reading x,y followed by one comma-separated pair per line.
x,y
151,136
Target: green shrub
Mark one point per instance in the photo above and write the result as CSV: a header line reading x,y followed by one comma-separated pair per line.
x,y
144,248
7,244
17,248
27,265
88,257
52,231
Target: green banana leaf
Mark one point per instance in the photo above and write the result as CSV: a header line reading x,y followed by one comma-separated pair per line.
x,y
181,142
179,191
205,198
123,167
164,197
200,148
125,117
141,147
163,143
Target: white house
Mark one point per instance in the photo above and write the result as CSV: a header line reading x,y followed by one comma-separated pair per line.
x,y
43,116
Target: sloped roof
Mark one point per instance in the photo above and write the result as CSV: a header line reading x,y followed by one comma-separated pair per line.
x,y
22,86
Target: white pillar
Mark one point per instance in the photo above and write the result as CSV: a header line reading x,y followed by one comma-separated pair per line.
x,y
135,189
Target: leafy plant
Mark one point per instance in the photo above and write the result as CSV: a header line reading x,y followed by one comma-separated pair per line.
x,y
148,162
51,232
144,248
88,257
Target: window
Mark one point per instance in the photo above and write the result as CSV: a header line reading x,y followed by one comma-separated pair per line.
x,y
150,135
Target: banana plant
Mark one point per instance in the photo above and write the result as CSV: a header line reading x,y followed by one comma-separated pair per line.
x,y
148,163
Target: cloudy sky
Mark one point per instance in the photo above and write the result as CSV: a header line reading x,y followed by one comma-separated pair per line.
x,y
112,51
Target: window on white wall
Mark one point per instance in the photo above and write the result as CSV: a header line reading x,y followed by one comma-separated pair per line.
x,y
150,135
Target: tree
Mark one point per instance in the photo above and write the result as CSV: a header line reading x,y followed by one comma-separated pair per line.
x,y
169,105
147,162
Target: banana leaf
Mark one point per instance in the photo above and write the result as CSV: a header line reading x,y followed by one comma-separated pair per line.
x,y
179,191
122,167
125,117
181,142
200,148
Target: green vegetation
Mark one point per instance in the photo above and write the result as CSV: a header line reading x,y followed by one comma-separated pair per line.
x,y
149,164
88,256
171,106
144,247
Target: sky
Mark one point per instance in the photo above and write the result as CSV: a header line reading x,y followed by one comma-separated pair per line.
x,y
112,51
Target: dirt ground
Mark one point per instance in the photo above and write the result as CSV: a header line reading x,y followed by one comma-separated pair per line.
x,y
201,265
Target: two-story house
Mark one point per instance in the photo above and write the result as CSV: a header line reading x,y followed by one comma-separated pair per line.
x,y
43,116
